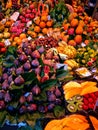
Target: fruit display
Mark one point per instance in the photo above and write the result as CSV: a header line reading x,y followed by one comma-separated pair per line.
x,y
48,65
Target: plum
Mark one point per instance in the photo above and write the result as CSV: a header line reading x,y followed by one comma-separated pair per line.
x,y
57,92
38,70
2,93
22,109
42,109
16,62
5,76
41,49
27,51
19,50
29,98
51,106
19,80
11,110
51,98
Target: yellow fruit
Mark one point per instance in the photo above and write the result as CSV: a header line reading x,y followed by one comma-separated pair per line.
x,y
89,90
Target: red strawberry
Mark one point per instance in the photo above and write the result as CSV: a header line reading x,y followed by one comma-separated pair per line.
x,y
96,94
90,100
86,96
91,106
93,96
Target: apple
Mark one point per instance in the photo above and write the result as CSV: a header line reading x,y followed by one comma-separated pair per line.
x,y
70,31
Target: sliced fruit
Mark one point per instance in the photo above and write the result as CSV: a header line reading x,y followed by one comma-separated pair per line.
x,y
88,83
72,107
71,100
78,98
94,122
79,105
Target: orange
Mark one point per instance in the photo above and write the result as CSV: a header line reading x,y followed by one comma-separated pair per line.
x,y
33,34
19,41
86,42
13,43
81,23
16,38
72,43
37,29
37,20
66,26
44,18
49,23
74,22
78,39
79,30
44,30
29,32
42,24
22,36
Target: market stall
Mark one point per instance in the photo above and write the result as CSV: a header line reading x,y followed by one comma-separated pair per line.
x,y
48,66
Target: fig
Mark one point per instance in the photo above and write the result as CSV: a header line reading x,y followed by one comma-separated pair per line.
x,y
19,80
38,70
22,100
42,109
27,51
7,97
5,76
49,55
33,46
58,101
51,106
27,66
2,93
19,70
22,109
23,58
5,85
32,107
19,50
35,54
52,98
36,90
35,63
57,92
2,105
41,49
25,44
10,79
16,62
29,98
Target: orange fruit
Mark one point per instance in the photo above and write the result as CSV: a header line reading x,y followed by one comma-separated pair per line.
x,y
86,42
44,30
42,24
79,30
44,18
33,34
66,26
22,36
81,23
16,38
13,43
49,23
72,43
19,41
37,29
37,20
78,39
74,22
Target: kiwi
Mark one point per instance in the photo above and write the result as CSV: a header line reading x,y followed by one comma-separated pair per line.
x,y
71,100
78,98
79,105
72,107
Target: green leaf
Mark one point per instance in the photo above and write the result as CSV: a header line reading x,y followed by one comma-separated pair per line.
x,y
27,127
14,87
48,83
59,111
8,65
2,118
61,73
29,76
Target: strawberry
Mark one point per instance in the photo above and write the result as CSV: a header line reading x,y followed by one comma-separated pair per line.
x,y
96,94
86,96
85,101
85,107
90,100
91,106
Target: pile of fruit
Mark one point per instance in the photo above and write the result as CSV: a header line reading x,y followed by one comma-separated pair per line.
x,y
48,64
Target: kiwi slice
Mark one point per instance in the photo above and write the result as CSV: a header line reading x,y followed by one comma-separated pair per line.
x,y
79,105
72,107
78,98
71,100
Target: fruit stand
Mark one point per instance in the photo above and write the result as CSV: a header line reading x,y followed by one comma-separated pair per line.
x,y
48,66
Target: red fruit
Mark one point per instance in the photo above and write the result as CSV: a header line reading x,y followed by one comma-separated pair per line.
x,y
93,96
71,31
31,16
32,107
89,63
28,11
44,78
85,107
22,99
29,98
3,50
7,97
31,6
85,101
35,54
46,69
90,100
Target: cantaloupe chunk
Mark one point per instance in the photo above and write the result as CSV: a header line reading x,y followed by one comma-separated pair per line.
x,y
88,84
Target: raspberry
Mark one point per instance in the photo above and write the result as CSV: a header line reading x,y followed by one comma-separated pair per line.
x,y
93,96
85,101
90,100
85,107
96,94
